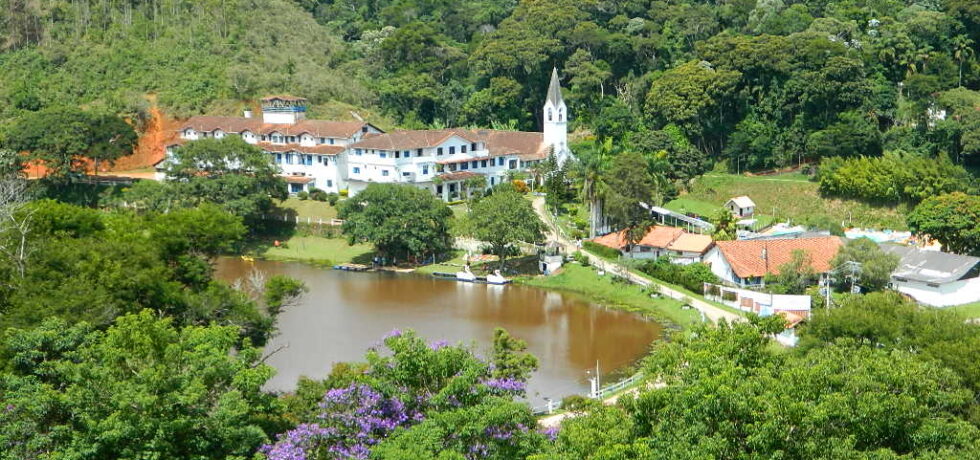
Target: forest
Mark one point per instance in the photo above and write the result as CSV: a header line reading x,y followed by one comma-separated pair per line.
x,y
119,342
760,83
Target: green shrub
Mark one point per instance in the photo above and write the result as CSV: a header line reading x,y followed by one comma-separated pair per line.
x,y
332,198
581,258
892,178
692,277
318,195
303,196
600,250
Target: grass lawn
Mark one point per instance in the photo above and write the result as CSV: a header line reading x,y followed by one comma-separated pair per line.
x,y
970,310
602,289
785,196
316,250
309,208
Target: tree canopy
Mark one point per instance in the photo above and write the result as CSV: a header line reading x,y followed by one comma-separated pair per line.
x,y
503,219
403,222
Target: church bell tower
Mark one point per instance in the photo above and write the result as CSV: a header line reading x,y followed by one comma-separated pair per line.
x,y
555,122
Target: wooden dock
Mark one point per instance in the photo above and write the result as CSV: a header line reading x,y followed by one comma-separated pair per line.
x,y
352,267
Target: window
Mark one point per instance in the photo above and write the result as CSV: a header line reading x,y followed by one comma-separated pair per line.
x,y
462,149
418,152
292,138
397,154
474,164
319,160
384,172
473,147
357,170
512,165
483,164
279,158
560,114
407,154
439,151
329,183
295,188
425,170
405,174
364,129
383,155
357,152
452,150
549,114
330,140
464,165
309,160
500,161
491,181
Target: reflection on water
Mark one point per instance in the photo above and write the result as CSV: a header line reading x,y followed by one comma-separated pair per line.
x,y
345,313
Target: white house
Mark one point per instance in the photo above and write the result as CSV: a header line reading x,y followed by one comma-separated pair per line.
x,y
747,262
660,241
442,161
741,206
935,278
309,152
335,156
450,162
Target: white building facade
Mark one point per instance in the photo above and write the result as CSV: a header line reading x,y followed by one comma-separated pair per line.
x,y
310,153
335,156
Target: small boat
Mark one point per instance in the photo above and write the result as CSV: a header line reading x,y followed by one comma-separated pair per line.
x,y
352,267
248,258
465,275
496,278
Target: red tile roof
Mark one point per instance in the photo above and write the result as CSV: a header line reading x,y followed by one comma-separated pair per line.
x,y
691,242
746,257
458,175
298,179
527,145
317,149
283,97
658,236
317,128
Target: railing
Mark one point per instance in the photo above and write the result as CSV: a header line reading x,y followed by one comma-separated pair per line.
x,y
603,393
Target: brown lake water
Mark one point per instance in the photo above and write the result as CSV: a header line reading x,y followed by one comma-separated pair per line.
x,y
344,314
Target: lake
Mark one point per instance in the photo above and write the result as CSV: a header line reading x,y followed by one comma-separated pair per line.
x,y
345,313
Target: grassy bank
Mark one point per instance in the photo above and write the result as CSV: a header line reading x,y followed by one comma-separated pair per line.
x,y
602,289
315,250
970,310
786,196
309,209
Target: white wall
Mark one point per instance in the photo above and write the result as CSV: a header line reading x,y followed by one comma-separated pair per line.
x,y
946,295
719,265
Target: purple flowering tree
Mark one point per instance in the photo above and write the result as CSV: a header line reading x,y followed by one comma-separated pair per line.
x,y
404,381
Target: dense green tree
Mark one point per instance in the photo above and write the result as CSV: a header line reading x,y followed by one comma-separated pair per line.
x,y
62,138
140,389
630,184
228,172
951,219
403,222
865,262
503,219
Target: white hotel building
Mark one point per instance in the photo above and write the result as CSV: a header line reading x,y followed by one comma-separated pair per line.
x,y
334,156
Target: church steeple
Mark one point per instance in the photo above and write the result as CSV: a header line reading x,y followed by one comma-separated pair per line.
x,y
554,89
555,121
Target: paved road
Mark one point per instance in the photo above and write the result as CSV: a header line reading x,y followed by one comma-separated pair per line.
x,y
713,313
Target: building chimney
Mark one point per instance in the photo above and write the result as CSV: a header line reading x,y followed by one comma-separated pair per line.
x,y
764,254
247,113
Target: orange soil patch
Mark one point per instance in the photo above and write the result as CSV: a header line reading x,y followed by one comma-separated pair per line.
x,y
150,148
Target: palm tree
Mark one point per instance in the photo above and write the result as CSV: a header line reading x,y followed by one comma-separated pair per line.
x,y
962,49
593,164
